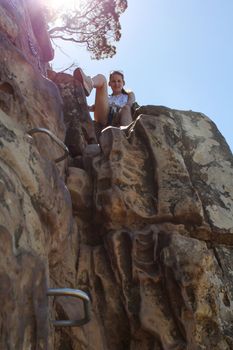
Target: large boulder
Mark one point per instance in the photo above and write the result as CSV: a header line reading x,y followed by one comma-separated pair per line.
x,y
142,221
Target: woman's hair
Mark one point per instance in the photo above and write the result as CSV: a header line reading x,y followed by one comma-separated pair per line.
x,y
122,75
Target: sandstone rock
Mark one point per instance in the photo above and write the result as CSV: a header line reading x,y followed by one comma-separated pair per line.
x,y
80,187
90,152
161,239
80,129
145,227
8,25
32,105
24,24
35,216
35,210
173,184
24,309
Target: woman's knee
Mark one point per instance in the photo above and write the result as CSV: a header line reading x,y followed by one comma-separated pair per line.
x,y
126,109
100,80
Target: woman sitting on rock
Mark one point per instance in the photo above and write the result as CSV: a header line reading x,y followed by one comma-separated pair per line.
x,y
114,109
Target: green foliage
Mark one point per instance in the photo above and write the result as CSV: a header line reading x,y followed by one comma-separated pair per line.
x,y
94,22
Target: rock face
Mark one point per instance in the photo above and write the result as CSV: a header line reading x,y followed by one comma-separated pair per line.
x,y
160,277
141,221
167,230
22,23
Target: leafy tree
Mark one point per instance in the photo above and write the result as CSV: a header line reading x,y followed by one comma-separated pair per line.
x,y
94,23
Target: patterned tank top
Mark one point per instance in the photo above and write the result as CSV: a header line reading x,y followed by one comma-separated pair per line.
x,y
117,100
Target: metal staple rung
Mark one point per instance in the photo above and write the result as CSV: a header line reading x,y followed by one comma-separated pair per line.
x,y
73,293
54,138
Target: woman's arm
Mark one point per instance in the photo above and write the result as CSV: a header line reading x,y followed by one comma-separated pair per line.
x,y
91,108
131,99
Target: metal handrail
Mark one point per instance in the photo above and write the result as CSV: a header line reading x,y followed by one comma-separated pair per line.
x,y
73,293
55,139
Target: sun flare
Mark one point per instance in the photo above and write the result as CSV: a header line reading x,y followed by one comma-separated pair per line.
x,y
65,4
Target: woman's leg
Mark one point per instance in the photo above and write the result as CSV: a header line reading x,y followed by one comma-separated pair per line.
x,y
125,116
101,99
98,82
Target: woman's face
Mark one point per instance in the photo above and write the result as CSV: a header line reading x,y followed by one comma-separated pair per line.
x,y
116,83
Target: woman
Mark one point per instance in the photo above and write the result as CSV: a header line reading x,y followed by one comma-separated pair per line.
x,y
105,106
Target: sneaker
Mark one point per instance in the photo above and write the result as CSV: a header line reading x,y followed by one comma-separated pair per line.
x,y
86,81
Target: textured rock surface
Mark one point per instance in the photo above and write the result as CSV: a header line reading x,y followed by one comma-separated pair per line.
x,y
36,223
155,254
22,22
165,215
142,222
79,125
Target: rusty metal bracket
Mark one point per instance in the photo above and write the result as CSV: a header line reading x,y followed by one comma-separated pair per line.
x,y
73,293
54,138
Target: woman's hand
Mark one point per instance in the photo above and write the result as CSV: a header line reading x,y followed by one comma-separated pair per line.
x,y
91,108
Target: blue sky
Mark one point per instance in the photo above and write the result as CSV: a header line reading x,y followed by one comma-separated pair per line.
x,y
175,53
